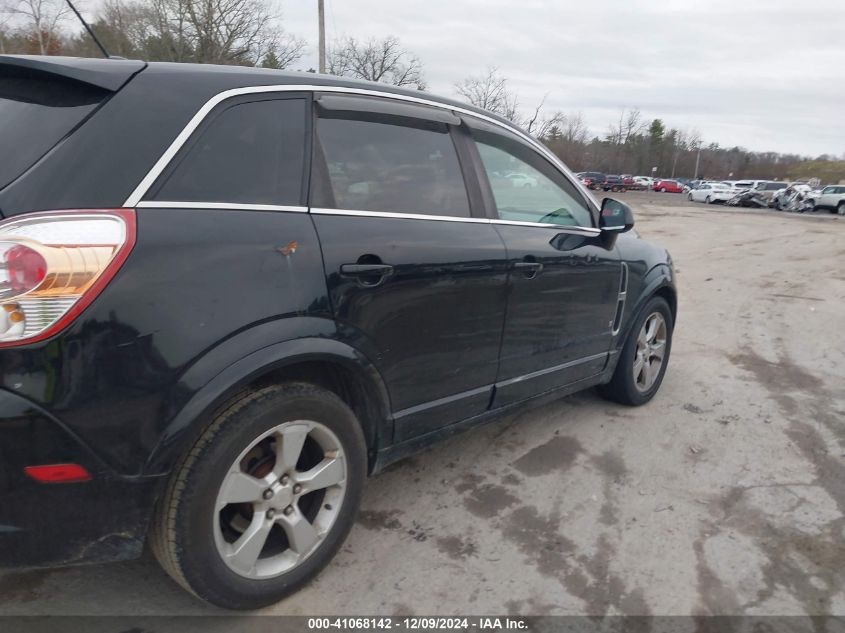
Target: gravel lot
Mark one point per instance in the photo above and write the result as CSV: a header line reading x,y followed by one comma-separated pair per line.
x,y
725,495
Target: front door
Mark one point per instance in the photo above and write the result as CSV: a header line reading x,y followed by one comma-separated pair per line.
x,y
564,283
416,280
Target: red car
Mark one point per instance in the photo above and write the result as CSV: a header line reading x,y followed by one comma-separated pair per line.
x,y
668,186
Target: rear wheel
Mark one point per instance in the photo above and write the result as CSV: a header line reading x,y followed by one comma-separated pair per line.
x,y
644,357
689,197
265,497
841,208
707,200
663,190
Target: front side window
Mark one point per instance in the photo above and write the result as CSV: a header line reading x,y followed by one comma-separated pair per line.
x,y
526,187
389,167
250,153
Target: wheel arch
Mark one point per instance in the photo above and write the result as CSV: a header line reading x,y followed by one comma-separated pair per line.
x,y
328,363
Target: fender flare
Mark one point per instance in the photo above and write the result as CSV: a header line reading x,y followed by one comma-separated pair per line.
x,y
656,279
209,389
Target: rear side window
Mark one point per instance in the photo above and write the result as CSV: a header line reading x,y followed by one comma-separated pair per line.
x,y
250,153
375,166
36,112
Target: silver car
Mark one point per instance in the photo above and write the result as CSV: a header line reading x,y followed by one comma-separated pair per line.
x,y
831,198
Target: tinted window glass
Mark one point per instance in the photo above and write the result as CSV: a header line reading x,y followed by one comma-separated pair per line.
x,y
250,153
385,167
526,187
36,113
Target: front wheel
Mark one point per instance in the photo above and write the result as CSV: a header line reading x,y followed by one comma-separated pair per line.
x,y
841,208
663,190
707,200
644,357
265,497
689,197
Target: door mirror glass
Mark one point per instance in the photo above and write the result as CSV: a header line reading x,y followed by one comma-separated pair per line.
x,y
615,216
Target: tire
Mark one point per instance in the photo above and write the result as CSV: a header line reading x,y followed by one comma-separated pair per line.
x,y
191,530
707,200
689,197
840,209
623,388
663,190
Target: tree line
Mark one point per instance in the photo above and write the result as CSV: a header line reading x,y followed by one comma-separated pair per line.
x,y
250,33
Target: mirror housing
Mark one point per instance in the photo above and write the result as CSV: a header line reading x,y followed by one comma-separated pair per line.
x,y
615,216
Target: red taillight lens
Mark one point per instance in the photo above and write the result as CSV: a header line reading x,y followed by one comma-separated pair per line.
x,y
52,265
58,473
25,267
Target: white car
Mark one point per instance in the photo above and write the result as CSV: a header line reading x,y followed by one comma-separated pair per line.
x,y
831,198
711,193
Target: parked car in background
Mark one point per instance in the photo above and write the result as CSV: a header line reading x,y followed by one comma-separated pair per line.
x,y
668,186
744,185
711,193
768,188
645,181
612,183
831,198
231,294
592,179
786,197
630,183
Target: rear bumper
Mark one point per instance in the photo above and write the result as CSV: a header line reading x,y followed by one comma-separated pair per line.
x,y
64,523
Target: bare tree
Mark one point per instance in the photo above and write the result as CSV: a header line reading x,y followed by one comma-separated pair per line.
x,y
284,52
41,18
228,31
375,60
490,91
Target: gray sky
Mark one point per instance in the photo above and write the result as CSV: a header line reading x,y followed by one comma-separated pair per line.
x,y
763,74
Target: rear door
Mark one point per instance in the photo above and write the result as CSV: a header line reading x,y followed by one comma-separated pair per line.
x,y
416,275
564,284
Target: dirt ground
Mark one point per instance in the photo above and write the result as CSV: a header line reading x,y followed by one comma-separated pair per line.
x,y
725,495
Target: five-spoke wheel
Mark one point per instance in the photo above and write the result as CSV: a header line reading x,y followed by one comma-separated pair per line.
x,y
644,357
279,499
651,348
264,498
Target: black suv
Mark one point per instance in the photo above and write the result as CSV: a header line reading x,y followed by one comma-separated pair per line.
x,y
229,295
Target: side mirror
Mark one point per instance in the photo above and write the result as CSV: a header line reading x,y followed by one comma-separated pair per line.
x,y
615,216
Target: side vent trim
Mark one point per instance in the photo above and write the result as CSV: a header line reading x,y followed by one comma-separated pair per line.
x,y
620,299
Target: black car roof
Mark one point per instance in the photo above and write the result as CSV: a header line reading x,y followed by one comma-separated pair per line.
x,y
207,78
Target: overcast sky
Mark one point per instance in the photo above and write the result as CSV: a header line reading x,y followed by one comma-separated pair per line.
x,y
762,74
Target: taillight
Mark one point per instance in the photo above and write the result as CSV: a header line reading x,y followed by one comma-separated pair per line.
x,y
52,265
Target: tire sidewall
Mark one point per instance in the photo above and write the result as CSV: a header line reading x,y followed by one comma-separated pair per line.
x,y
626,359
204,570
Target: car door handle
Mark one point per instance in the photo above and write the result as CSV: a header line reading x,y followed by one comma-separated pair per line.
x,y
359,270
369,275
529,269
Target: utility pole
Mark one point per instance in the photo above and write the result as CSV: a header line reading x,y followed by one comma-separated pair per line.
x,y
697,159
321,17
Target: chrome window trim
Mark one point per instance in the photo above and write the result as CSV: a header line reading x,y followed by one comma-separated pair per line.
x,y
162,204
161,164
547,225
393,214
563,228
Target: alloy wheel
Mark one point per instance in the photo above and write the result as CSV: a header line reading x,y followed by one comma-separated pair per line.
x,y
651,350
279,499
